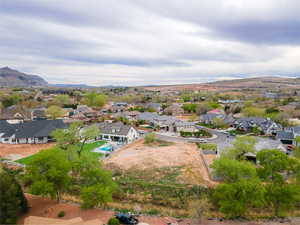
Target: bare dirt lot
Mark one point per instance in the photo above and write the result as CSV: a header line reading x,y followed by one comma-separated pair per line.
x,y
139,156
14,152
45,207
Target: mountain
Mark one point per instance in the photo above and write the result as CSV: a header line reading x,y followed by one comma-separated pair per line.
x,y
14,78
255,83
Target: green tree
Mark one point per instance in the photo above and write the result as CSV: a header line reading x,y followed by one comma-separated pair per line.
x,y
219,123
48,173
75,137
276,169
12,199
241,146
235,199
231,170
62,100
55,112
282,196
253,111
97,187
94,99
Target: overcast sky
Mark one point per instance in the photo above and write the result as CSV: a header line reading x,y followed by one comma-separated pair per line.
x,y
138,42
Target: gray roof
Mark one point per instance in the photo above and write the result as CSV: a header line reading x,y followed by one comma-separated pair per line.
x,y
262,143
38,128
285,135
249,122
114,128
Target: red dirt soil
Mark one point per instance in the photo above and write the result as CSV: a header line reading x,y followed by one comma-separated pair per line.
x,y
45,207
14,151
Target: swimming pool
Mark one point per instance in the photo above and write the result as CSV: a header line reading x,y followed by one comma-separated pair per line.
x,y
104,148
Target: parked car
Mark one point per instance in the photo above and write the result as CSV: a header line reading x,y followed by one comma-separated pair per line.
x,y
126,218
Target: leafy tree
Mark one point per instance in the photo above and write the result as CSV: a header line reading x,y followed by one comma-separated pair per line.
x,y
62,100
241,146
190,108
231,170
276,168
75,137
94,99
235,199
203,108
282,197
12,199
48,173
273,163
97,187
253,111
55,112
219,123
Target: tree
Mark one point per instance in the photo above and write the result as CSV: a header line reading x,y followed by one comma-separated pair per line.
x,y
48,173
282,197
12,199
253,111
235,199
219,123
231,170
273,162
62,100
203,108
94,99
55,112
241,146
75,137
275,169
98,187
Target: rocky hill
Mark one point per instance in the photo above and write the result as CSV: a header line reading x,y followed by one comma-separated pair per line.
x,y
14,78
256,83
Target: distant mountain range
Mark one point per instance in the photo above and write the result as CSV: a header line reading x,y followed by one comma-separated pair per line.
x,y
14,78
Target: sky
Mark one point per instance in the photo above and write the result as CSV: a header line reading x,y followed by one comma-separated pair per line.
x,y
146,42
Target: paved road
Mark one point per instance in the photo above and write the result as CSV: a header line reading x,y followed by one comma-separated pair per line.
x,y
219,137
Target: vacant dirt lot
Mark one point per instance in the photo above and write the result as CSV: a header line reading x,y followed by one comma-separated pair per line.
x,y
18,151
139,156
45,207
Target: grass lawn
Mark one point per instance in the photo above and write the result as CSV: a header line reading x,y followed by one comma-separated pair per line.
x,y
87,147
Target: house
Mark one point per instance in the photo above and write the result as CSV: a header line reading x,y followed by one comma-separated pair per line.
x,y
174,110
33,132
117,132
130,115
154,106
288,135
261,144
15,113
265,125
208,118
216,111
38,114
225,102
166,123
83,109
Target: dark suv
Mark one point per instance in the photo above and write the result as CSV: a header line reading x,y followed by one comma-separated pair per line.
x,y
127,219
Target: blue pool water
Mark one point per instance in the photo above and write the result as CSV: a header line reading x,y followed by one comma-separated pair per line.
x,y
104,148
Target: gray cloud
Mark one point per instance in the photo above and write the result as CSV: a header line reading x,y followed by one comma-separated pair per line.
x,y
142,42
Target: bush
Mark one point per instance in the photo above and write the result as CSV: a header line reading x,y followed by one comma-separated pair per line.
x,y
61,214
150,138
113,221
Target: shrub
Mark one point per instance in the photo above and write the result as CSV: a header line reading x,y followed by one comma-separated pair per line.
x,y
61,214
150,138
113,221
